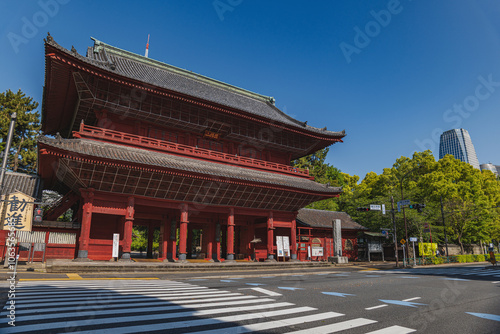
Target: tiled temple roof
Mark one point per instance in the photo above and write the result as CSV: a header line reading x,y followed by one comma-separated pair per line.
x,y
322,218
26,183
156,73
92,148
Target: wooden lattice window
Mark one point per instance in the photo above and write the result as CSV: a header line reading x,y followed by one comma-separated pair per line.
x,y
163,135
210,145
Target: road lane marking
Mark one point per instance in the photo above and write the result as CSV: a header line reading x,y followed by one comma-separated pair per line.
x,y
89,278
273,324
485,316
338,294
337,327
410,299
132,309
289,288
175,315
375,307
74,276
267,292
394,330
400,302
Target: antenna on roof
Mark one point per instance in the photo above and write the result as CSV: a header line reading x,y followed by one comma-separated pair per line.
x,y
147,48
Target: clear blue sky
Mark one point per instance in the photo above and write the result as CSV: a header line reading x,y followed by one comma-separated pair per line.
x,y
416,69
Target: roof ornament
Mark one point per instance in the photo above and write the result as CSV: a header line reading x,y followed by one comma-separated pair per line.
x,y
49,38
343,132
305,123
272,100
147,48
58,138
74,50
324,129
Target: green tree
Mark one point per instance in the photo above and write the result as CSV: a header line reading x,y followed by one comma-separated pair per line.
x,y
23,153
323,173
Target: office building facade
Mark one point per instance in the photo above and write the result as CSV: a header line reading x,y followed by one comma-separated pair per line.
x,y
458,143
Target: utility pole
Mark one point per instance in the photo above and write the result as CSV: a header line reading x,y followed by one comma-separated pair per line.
x,y
395,234
7,149
444,226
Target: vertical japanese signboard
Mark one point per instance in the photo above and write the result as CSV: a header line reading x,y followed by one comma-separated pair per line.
x,y
18,209
116,244
286,246
279,245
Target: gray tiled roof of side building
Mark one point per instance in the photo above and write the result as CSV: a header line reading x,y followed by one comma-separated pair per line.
x,y
159,74
323,218
28,184
85,147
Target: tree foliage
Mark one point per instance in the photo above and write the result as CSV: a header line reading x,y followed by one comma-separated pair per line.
x,y
23,154
470,197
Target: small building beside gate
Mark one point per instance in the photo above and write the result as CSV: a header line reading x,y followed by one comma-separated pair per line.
x,y
315,234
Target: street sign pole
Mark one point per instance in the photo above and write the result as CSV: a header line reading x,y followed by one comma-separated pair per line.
x,y
414,262
404,256
395,236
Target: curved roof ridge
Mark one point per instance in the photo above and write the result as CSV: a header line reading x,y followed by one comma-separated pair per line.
x,y
162,65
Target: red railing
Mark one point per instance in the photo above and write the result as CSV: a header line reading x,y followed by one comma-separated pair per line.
x,y
151,143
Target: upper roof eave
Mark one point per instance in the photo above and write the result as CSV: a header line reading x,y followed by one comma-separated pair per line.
x,y
288,121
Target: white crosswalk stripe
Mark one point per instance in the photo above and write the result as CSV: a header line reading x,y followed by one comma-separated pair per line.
x,y
144,306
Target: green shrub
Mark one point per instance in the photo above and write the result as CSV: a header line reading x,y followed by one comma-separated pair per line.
x,y
479,258
437,260
462,258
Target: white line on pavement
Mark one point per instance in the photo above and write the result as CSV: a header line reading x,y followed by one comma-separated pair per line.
x,y
374,307
394,330
340,326
266,292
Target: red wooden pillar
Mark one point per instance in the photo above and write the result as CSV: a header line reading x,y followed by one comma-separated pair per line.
x,y
183,233
165,236
270,237
230,235
87,206
172,249
127,229
293,240
210,236
217,242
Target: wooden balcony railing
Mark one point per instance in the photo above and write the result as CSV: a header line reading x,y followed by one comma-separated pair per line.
x,y
87,131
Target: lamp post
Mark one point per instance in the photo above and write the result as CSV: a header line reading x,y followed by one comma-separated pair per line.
x,y
13,118
402,198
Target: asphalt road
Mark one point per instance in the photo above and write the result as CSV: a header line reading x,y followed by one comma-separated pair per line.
x,y
461,299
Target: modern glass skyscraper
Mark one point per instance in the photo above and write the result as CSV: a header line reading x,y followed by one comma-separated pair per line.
x,y
457,142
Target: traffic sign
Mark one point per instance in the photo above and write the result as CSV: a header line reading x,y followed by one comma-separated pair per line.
x,y
384,232
413,239
383,209
404,202
375,207
402,241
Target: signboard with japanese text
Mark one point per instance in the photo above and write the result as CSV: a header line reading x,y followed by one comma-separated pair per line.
x,y
317,251
286,246
116,244
427,248
18,209
279,245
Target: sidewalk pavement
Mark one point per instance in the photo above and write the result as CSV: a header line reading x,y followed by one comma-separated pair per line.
x,y
69,266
